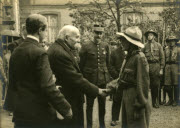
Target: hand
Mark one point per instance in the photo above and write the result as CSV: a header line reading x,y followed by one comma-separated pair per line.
x,y
102,92
161,72
69,114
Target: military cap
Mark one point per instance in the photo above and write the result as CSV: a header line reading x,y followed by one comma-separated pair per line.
x,y
98,28
151,31
172,38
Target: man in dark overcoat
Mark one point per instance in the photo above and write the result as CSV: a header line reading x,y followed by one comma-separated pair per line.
x,y
37,101
65,67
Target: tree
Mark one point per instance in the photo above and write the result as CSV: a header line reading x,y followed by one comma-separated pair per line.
x,y
107,13
171,21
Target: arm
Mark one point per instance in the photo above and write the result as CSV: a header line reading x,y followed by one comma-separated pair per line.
x,y
143,80
48,86
73,78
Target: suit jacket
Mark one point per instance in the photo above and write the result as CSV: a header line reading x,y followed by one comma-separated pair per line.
x,y
95,62
68,74
34,89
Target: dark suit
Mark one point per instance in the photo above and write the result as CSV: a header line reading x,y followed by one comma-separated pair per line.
x,y
68,75
35,92
94,63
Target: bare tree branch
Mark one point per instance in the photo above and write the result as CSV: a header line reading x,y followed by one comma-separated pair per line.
x,y
100,8
112,11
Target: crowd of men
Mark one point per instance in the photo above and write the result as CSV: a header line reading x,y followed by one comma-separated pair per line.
x,y
47,86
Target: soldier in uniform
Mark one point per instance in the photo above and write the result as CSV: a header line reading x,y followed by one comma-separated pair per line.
x,y
171,71
134,80
94,63
155,56
117,57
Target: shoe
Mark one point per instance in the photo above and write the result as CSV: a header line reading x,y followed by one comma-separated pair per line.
x,y
113,123
155,105
169,103
174,104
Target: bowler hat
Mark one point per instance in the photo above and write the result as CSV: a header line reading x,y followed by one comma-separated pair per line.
x,y
98,28
133,35
170,38
151,31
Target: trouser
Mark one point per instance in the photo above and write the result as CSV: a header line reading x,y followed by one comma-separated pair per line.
x,y
169,90
117,99
175,93
101,108
154,69
128,111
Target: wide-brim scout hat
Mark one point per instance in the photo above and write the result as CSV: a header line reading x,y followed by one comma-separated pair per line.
x,y
171,38
98,28
150,31
133,35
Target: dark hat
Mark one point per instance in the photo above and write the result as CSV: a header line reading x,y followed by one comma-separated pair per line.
x,y
98,28
172,38
151,31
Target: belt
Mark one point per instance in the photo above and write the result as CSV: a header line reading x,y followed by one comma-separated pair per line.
x,y
126,85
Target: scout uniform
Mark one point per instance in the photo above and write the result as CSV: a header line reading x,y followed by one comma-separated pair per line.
x,y
134,80
94,63
171,71
155,57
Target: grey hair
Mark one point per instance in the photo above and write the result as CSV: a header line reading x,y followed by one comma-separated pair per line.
x,y
66,31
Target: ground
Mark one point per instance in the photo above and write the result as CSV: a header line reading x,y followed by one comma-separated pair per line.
x,y
164,117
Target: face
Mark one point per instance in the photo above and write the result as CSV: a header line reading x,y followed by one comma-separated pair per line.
x,y
43,33
97,36
73,38
125,44
113,47
150,36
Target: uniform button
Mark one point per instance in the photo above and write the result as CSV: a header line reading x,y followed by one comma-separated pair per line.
x,y
98,63
98,56
98,52
98,60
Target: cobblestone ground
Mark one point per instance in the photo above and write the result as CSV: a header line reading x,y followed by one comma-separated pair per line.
x,y
164,117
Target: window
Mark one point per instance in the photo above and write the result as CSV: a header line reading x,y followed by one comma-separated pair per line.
x,y
52,27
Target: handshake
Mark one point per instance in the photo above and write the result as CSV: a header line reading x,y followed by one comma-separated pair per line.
x,y
104,92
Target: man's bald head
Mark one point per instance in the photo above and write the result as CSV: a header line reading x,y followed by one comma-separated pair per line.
x,y
34,22
67,30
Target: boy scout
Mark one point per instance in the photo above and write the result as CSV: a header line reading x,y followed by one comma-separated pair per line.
x,y
155,57
171,71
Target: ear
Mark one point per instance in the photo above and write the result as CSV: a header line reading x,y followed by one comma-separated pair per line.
x,y
66,37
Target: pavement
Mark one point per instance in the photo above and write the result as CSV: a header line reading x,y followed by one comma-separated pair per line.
x,y
164,117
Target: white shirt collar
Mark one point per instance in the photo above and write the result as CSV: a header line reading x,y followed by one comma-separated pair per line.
x,y
33,37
